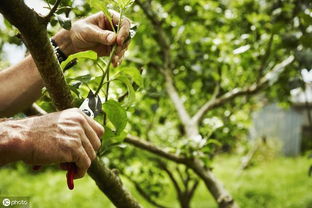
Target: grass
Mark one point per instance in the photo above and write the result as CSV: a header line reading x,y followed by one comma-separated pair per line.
x,y
280,183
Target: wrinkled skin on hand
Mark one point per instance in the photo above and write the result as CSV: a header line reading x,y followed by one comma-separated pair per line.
x,y
95,33
61,137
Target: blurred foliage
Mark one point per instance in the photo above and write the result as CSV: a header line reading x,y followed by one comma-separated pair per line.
x,y
227,43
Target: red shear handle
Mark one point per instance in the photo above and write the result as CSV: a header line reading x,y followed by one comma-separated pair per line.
x,y
71,171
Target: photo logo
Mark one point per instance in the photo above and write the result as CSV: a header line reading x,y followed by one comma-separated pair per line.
x,y
6,202
15,201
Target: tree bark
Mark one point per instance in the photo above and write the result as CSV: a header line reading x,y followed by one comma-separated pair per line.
x,y
34,33
215,187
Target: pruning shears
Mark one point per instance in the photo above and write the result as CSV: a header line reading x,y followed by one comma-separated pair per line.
x,y
91,106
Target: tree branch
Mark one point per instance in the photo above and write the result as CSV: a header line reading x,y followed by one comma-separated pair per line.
x,y
139,143
265,57
187,179
180,175
175,183
110,184
52,11
163,42
35,36
193,189
252,89
176,100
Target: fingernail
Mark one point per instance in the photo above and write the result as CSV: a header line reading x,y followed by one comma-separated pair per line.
x,y
122,39
116,60
111,38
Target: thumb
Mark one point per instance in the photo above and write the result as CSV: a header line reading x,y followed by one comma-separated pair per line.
x,y
104,37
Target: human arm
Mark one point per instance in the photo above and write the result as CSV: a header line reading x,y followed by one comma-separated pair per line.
x,y
60,137
22,83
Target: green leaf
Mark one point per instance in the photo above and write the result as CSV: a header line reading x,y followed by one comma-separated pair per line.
x,y
65,22
101,6
135,75
119,138
81,55
214,142
124,3
108,134
74,88
116,114
131,93
111,140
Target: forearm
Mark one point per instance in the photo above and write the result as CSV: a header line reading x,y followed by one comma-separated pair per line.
x,y
20,86
12,145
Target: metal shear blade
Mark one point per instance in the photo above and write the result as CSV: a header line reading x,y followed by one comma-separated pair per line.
x,y
92,105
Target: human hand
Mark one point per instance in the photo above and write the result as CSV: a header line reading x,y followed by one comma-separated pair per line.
x,y
63,137
95,33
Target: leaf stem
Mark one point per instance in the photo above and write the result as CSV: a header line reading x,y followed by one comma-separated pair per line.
x,y
106,74
111,56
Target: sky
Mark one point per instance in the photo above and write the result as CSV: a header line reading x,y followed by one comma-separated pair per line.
x,y
13,53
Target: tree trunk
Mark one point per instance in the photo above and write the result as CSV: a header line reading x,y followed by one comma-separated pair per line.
x,y
214,186
184,201
35,36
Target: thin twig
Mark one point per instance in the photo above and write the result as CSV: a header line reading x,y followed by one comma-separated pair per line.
x,y
137,142
266,56
108,67
163,166
52,11
143,193
193,189
252,89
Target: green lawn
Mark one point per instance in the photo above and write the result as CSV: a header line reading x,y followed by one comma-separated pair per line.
x,y
280,183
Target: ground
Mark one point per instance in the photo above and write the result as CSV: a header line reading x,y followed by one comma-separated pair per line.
x,y
280,183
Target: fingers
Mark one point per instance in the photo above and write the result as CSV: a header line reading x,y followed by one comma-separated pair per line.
x,y
102,22
83,162
104,37
95,125
88,147
123,32
84,151
101,30
124,27
115,61
92,138
120,52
